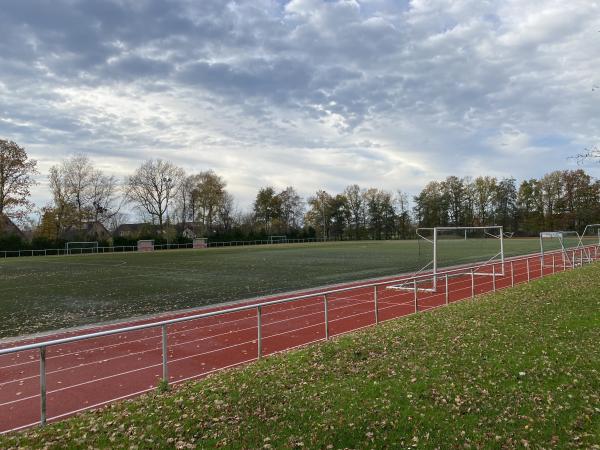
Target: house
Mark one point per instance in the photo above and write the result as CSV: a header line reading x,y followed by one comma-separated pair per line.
x,y
93,231
8,228
188,230
135,230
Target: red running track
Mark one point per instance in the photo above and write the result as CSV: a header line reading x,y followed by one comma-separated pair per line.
x,y
93,372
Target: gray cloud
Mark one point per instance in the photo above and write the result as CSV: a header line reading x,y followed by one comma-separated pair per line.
x,y
328,93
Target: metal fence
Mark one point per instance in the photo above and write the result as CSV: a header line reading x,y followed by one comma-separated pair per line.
x,y
317,315
133,248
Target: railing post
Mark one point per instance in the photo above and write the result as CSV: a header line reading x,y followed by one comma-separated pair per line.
x,y
376,308
553,263
259,331
415,297
493,277
573,260
165,368
528,275
472,283
512,274
42,386
447,293
326,306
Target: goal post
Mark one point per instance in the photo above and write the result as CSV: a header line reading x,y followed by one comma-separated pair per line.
x,y
564,242
480,246
145,245
277,239
81,247
590,240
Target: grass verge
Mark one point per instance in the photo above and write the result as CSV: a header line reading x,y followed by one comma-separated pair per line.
x,y
516,369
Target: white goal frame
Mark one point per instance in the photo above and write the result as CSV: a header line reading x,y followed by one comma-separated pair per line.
x,y
69,246
585,248
560,235
145,245
499,257
280,238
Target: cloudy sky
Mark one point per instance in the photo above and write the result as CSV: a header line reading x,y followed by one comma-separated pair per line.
x,y
309,93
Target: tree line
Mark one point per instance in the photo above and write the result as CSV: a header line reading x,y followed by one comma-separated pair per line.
x,y
174,202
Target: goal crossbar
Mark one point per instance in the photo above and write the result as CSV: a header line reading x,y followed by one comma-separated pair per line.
x,y
560,236
433,263
586,247
70,246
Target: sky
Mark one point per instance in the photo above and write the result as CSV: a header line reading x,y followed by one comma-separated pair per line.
x,y
313,94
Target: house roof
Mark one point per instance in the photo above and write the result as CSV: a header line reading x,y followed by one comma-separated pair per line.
x,y
7,227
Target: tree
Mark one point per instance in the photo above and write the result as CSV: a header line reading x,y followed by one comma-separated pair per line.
x,y
208,195
355,199
431,206
152,188
402,211
267,209
91,193
17,173
319,214
505,203
292,209
380,212
483,189
454,191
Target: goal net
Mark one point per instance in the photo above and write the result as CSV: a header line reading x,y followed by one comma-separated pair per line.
x,y
563,243
277,239
482,248
200,243
145,245
77,248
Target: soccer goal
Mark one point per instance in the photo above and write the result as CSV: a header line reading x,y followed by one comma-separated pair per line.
x,y
480,247
81,247
589,241
200,243
278,239
146,245
566,243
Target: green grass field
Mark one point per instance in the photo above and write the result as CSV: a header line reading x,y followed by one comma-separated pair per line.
x,y
517,369
47,293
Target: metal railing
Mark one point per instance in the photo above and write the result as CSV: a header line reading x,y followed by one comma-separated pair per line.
x,y
470,272
133,248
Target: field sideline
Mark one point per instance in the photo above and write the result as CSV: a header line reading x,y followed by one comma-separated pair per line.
x,y
48,293
516,369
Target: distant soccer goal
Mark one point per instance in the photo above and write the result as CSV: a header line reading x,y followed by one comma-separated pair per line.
x,y
278,239
565,242
146,245
200,243
439,247
72,248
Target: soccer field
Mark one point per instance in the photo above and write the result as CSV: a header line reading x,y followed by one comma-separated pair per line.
x,y
48,293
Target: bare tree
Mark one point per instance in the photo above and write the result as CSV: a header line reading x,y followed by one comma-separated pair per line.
x,y
153,186
16,178
292,208
91,193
